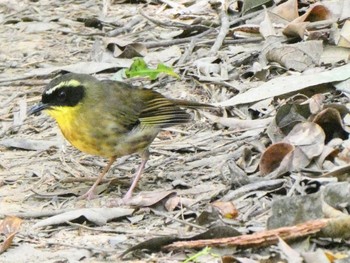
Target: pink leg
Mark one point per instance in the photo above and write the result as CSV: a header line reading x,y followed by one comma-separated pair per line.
x,y
90,194
145,157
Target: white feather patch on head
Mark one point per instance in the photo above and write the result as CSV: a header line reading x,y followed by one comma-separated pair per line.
x,y
70,83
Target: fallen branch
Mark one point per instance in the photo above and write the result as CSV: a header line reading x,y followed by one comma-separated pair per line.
x,y
334,227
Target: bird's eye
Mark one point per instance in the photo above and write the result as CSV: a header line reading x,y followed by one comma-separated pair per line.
x,y
62,95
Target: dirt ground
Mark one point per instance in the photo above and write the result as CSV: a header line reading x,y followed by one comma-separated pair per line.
x,y
45,34
41,175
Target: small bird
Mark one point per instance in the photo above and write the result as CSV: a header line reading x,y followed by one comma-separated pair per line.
x,y
110,118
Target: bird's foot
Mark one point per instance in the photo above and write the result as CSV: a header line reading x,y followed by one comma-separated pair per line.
x,y
120,201
89,195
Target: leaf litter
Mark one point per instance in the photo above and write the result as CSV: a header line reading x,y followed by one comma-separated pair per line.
x,y
277,142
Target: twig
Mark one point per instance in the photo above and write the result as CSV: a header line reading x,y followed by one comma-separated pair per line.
x,y
127,27
187,52
225,26
121,230
244,18
255,186
172,24
90,248
177,220
166,43
257,239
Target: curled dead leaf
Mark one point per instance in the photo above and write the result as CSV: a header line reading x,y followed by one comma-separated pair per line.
x,y
331,122
273,156
298,26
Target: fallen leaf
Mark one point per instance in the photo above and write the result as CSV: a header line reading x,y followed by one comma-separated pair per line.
x,y
331,122
238,124
316,103
253,5
145,199
297,27
344,40
226,209
308,137
299,56
289,115
140,68
9,228
98,216
287,10
125,49
288,253
29,144
284,85
271,159
81,67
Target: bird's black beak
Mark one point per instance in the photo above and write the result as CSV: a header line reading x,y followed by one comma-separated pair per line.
x,y
37,108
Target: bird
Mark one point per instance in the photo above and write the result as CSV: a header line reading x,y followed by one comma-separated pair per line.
x,y
110,118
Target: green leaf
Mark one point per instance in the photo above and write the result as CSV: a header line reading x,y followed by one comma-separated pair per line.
x,y
139,68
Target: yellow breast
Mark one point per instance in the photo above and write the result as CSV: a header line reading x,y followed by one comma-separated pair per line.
x,y
101,136
76,130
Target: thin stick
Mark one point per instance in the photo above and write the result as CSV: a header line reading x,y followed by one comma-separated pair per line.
x,y
177,220
225,26
126,28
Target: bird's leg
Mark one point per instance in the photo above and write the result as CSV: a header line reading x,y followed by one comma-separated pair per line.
x,y
145,157
90,194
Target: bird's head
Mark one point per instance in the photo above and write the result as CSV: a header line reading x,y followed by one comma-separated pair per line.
x,y
63,94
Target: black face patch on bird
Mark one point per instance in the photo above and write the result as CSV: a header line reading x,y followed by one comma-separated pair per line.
x,y
63,95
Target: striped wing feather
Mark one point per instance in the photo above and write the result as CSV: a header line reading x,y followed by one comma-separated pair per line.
x,y
146,106
162,112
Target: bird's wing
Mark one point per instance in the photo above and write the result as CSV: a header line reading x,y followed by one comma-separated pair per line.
x,y
162,112
143,106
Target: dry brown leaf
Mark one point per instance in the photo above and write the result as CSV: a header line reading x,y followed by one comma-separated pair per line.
x,y
9,228
273,156
333,257
304,142
331,122
226,209
125,49
172,203
287,10
245,31
315,13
